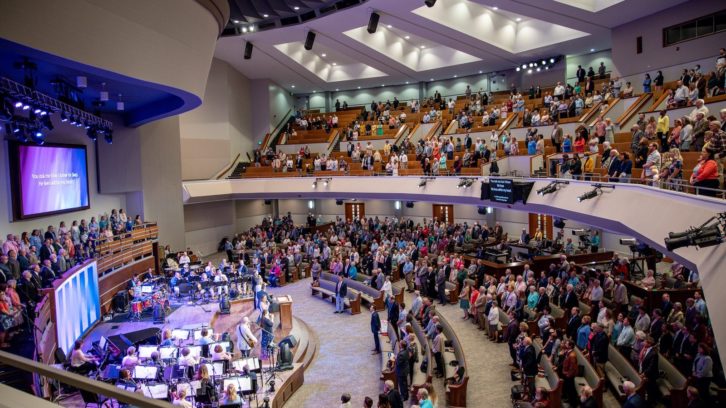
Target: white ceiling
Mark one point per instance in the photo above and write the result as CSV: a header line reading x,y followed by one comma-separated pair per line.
x,y
458,37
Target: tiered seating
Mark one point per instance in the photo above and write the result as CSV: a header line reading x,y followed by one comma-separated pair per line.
x,y
455,394
618,370
548,378
589,377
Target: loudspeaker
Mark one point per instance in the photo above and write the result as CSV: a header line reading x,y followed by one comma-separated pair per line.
x,y
559,223
268,202
430,3
409,204
338,202
248,50
290,340
482,210
639,45
120,301
309,40
373,23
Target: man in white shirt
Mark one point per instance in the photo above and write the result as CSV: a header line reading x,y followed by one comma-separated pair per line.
x,y
700,108
680,96
559,91
184,259
652,162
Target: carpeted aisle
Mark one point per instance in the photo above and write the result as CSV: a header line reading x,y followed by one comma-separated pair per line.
x,y
344,362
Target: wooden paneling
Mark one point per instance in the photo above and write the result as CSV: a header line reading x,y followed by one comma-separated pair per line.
x,y
354,211
110,284
443,213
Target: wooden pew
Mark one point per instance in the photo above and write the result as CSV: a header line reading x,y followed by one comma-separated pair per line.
x,y
420,379
455,394
617,370
548,379
590,377
327,290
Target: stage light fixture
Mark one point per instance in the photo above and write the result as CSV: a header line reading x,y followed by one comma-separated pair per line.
x,y
710,233
628,241
38,136
21,134
518,69
373,22
552,60
422,183
64,117
315,184
108,136
462,183
91,133
430,3
325,183
590,194
550,188
18,104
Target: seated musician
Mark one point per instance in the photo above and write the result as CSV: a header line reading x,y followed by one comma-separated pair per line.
x,y
81,363
134,283
206,387
230,396
180,399
166,339
205,339
125,380
220,354
176,280
184,259
130,360
187,359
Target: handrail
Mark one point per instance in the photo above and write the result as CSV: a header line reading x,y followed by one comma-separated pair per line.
x,y
82,382
508,122
589,114
401,134
453,123
611,104
226,168
660,100
633,109
433,130
332,141
275,134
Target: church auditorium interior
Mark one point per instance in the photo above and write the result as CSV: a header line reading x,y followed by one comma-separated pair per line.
x,y
362,203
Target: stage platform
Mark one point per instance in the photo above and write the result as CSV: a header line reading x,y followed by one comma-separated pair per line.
x,y
191,316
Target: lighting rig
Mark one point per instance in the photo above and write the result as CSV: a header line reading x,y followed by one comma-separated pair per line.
x,y
466,182
596,191
710,233
551,188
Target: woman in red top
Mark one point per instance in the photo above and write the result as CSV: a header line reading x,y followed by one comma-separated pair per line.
x,y
579,145
706,175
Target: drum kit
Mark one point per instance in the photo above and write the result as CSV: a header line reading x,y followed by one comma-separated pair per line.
x,y
158,299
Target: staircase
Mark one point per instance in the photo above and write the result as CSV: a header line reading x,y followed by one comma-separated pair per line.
x,y
239,170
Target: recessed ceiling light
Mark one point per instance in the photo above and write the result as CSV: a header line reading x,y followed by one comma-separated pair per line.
x,y
552,60
389,26
431,79
383,84
265,15
358,87
592,50
529,71
423,46
252,28
244,29
407,82
235,21
336,89
538,69
315,91
518,19
293,86
296,8
495,8
481,72
324,54
408,37
335,63
456,76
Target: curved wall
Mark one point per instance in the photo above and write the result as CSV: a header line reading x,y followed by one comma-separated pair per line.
x,y
646,213
165,42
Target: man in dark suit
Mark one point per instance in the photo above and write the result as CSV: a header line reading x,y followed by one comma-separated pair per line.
x,y
393,312
648,368
341,291
543,302
394,397
529,364
46,250
573,324
570,299
666,306
599,346
47,275
402,367
632,398
441,277
375,328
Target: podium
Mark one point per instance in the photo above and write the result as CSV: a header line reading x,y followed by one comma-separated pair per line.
x,y
285,304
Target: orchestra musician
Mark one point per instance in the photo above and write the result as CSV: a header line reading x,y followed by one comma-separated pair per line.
x,y
80,361
220,354
125,380
246,340
130,360
187,359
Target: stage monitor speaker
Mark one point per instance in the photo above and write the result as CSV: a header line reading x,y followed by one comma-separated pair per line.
x,y
373,22
338,202
120,301
290,340
409,204
309,40
248,50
